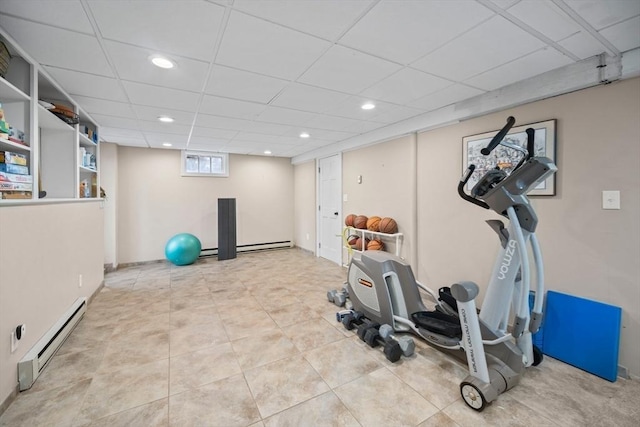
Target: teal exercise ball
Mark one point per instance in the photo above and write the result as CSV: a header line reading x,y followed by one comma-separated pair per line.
x,y
183,249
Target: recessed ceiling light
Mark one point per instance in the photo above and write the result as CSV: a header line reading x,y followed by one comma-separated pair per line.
x,y
304,135
162,62
267,152
368,106
167,144
165,119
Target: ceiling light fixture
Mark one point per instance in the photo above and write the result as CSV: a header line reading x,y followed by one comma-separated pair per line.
x,y
267,152
368,106
162,62
167,144
304,135
165,119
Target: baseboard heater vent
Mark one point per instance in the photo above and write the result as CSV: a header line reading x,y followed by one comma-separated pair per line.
x,y
37,358
251,247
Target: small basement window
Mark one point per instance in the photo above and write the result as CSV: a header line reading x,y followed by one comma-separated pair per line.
x,y
202,163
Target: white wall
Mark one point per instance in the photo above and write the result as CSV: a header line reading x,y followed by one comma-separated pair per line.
x,y
305,206
155,202
109,182
43,250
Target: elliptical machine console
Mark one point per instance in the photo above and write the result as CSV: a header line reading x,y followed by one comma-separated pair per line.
x,y
381,286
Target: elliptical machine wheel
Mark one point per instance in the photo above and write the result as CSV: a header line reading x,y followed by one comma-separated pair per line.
x,y
472,396
537,356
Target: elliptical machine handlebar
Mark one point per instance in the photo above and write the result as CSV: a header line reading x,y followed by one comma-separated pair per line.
x,y
499,137
463,182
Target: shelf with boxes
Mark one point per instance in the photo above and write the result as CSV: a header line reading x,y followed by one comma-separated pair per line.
x,y
58,140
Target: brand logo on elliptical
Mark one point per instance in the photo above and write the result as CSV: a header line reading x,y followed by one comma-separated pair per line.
x,y
471,357
506,261
366,283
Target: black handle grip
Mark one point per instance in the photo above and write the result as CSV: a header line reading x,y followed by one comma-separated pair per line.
x,y
463,182
499,137
531,142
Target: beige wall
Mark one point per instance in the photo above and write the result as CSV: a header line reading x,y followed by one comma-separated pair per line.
x,y
588,251
387,188
43,250
109,182
155,202
304,176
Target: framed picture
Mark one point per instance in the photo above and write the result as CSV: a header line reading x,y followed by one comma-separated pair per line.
x,y
507,158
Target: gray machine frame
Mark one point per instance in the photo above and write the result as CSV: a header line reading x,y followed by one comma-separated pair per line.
x,y
382,286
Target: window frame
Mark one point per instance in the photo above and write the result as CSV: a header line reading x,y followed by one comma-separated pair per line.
x,y
188,153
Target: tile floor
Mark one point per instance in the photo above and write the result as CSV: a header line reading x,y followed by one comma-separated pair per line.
x,y
254,342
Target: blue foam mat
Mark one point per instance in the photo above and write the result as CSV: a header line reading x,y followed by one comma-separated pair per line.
x,y
583,333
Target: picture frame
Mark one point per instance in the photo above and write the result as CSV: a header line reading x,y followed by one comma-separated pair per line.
x,y
545,146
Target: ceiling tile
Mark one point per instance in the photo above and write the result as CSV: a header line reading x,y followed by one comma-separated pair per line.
x,y
319,134
133,63
546,18
189,30
115,122
232,83
203,144
396,113
327,19
405,86
67,14
323,121
122,136
308,98
218,106
156,96
163,128
363,127
256,45
405,31
57,47
601,14
176,145
625,35
268,128
504,4
347,70
213,133
487,46
219,122
269,139
583,45
528,66
103,106
154,138
446,96
143,112
83,84
352,108
285,116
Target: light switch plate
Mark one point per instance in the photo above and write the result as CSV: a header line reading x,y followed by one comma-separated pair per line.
x,y
610,199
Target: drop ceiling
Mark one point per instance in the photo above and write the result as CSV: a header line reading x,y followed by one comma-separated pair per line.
x,y
252,75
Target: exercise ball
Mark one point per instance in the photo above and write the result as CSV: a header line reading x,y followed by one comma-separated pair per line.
x,y
183,249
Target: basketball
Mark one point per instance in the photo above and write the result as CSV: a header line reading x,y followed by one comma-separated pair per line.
x,y
360,222
375,245
362,244
388,226
348,221
373,223
353,240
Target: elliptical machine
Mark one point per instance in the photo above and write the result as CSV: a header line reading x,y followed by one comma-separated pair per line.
x,y
382,287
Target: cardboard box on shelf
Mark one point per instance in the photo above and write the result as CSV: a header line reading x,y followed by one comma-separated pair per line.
x,y
13,177
8,195
13,158
11,168
15,186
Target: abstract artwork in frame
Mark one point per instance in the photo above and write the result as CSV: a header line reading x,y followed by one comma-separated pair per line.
x,y
507,158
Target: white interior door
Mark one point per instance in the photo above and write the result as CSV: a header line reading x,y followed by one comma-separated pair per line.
x,y
330,207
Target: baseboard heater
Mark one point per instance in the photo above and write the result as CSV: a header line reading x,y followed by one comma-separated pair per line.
x,y
41,353
252,247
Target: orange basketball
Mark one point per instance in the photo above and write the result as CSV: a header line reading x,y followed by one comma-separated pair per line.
x,y
353,240
348,221
360,222
388,225
373,223
375,245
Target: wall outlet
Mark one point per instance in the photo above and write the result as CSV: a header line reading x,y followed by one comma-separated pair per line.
x,y
14,341
610,199
79,280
